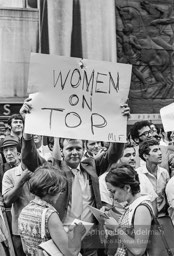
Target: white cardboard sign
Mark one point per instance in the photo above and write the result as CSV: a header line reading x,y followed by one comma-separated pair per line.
x,y
167,117
78,98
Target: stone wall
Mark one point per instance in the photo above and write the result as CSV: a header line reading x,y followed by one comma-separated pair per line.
x,y
145,39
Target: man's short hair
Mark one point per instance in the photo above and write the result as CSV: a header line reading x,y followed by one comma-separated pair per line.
x,y
16,117
128,145
144,147
61,141
134,131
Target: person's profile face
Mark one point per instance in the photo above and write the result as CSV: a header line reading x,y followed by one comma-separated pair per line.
x,y
118,194
72,152
155,155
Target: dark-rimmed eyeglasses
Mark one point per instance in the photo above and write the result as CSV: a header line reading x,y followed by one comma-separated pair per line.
x,y
146,134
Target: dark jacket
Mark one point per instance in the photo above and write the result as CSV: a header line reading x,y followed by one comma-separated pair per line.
x,y
93,167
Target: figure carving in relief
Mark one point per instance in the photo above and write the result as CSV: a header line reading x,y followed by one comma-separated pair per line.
x,y
131,49
152,54
161,31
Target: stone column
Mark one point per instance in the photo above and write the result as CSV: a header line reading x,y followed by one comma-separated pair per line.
x,y
18,37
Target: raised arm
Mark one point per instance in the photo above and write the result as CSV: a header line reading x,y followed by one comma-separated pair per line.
x,y
115,150
30,156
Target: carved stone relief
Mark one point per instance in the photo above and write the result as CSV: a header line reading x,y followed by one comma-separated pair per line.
x,y
145,39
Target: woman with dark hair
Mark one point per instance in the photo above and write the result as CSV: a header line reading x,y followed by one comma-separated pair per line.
x,y
47,184
133,228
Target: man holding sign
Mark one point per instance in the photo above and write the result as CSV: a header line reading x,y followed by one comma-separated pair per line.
x,y
68,105
83,185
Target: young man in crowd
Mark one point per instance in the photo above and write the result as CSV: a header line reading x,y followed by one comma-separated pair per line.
x,y
16,124
140,132
15,190
150,152
83,185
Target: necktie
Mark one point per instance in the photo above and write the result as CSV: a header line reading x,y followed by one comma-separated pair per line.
x,y
76,204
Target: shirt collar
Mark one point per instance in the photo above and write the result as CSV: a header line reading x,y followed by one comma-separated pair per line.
x,y
145,171
18,170
39,201
74,169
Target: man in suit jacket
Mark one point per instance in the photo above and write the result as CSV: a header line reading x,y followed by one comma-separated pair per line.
x,y
88,172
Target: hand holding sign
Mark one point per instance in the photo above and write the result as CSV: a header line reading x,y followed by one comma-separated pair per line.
x,y
75,102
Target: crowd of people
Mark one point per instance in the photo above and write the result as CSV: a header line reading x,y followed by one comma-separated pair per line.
x,y
62,177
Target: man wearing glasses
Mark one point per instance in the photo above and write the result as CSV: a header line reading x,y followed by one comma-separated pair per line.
x,y
140,132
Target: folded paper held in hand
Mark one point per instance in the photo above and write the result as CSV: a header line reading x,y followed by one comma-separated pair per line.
x,y
87,225
98,214
50,248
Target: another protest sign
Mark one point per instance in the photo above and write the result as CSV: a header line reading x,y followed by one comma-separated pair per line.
x,y
167,117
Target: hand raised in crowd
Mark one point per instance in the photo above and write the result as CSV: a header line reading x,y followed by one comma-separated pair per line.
x,y
26,107
100,152
26,175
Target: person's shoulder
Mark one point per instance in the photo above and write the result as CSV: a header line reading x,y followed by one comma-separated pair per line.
x,y
139,169
163,171
170,184
145,206
13,171
10,171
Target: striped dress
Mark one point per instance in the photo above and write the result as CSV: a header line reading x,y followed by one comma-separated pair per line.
x,y
30,225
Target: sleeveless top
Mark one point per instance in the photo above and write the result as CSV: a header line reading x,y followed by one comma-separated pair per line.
x,y
125,222
29,224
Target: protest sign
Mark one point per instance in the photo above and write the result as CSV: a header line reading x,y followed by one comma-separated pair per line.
x,y
78,98
167,117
